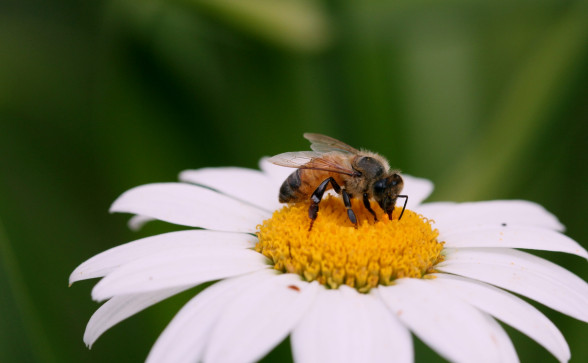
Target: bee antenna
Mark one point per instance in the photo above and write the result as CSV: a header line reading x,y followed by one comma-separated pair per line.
x,y
404,207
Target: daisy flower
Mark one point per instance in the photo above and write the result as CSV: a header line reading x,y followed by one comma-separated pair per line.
x,y
445,272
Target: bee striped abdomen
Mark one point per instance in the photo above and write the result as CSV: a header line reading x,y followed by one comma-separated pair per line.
x,y
300,185
290,189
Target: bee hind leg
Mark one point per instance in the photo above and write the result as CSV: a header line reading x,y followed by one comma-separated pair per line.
x,y
350,212
316,198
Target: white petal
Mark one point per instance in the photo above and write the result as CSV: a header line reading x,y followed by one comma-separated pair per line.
x,y
177,267
259,319
431,210
509,309
107,261
505,346
524,274
453,328
186,336
345,326
190,205
513,237
121,307
137,222
417,189
248,185
389,337
490,213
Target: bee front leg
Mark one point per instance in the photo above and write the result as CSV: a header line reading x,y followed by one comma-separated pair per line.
x,y
404,207
366,203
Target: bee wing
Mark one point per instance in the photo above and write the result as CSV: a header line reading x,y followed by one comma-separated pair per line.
x,y
323,143
310,160
296,159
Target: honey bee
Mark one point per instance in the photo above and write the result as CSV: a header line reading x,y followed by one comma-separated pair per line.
x,y
350,172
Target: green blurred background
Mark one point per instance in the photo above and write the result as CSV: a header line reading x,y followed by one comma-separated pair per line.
x,y
486,98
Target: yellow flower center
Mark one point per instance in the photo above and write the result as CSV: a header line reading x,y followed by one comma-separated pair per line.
x,y
335,253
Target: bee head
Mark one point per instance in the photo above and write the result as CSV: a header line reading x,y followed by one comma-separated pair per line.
x,y
386,190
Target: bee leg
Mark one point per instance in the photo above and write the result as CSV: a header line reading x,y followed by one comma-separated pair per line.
x,y
317,196
347,203
366,203
404,207
312,213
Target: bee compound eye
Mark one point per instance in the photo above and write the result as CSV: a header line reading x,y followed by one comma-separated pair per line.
x,y
395,180
380,186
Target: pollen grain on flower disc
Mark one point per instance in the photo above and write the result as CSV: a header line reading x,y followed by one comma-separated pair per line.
x,y
335,253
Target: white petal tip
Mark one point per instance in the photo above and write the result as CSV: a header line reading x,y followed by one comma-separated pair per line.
x,y
182,176
119,204
88,340
137,222
74,277
114,208
582,253
98,295
79,274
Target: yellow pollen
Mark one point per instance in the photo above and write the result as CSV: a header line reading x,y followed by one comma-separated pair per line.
x,y
335,253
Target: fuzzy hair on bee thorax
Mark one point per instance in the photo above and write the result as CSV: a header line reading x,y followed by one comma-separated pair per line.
x,y
371,167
